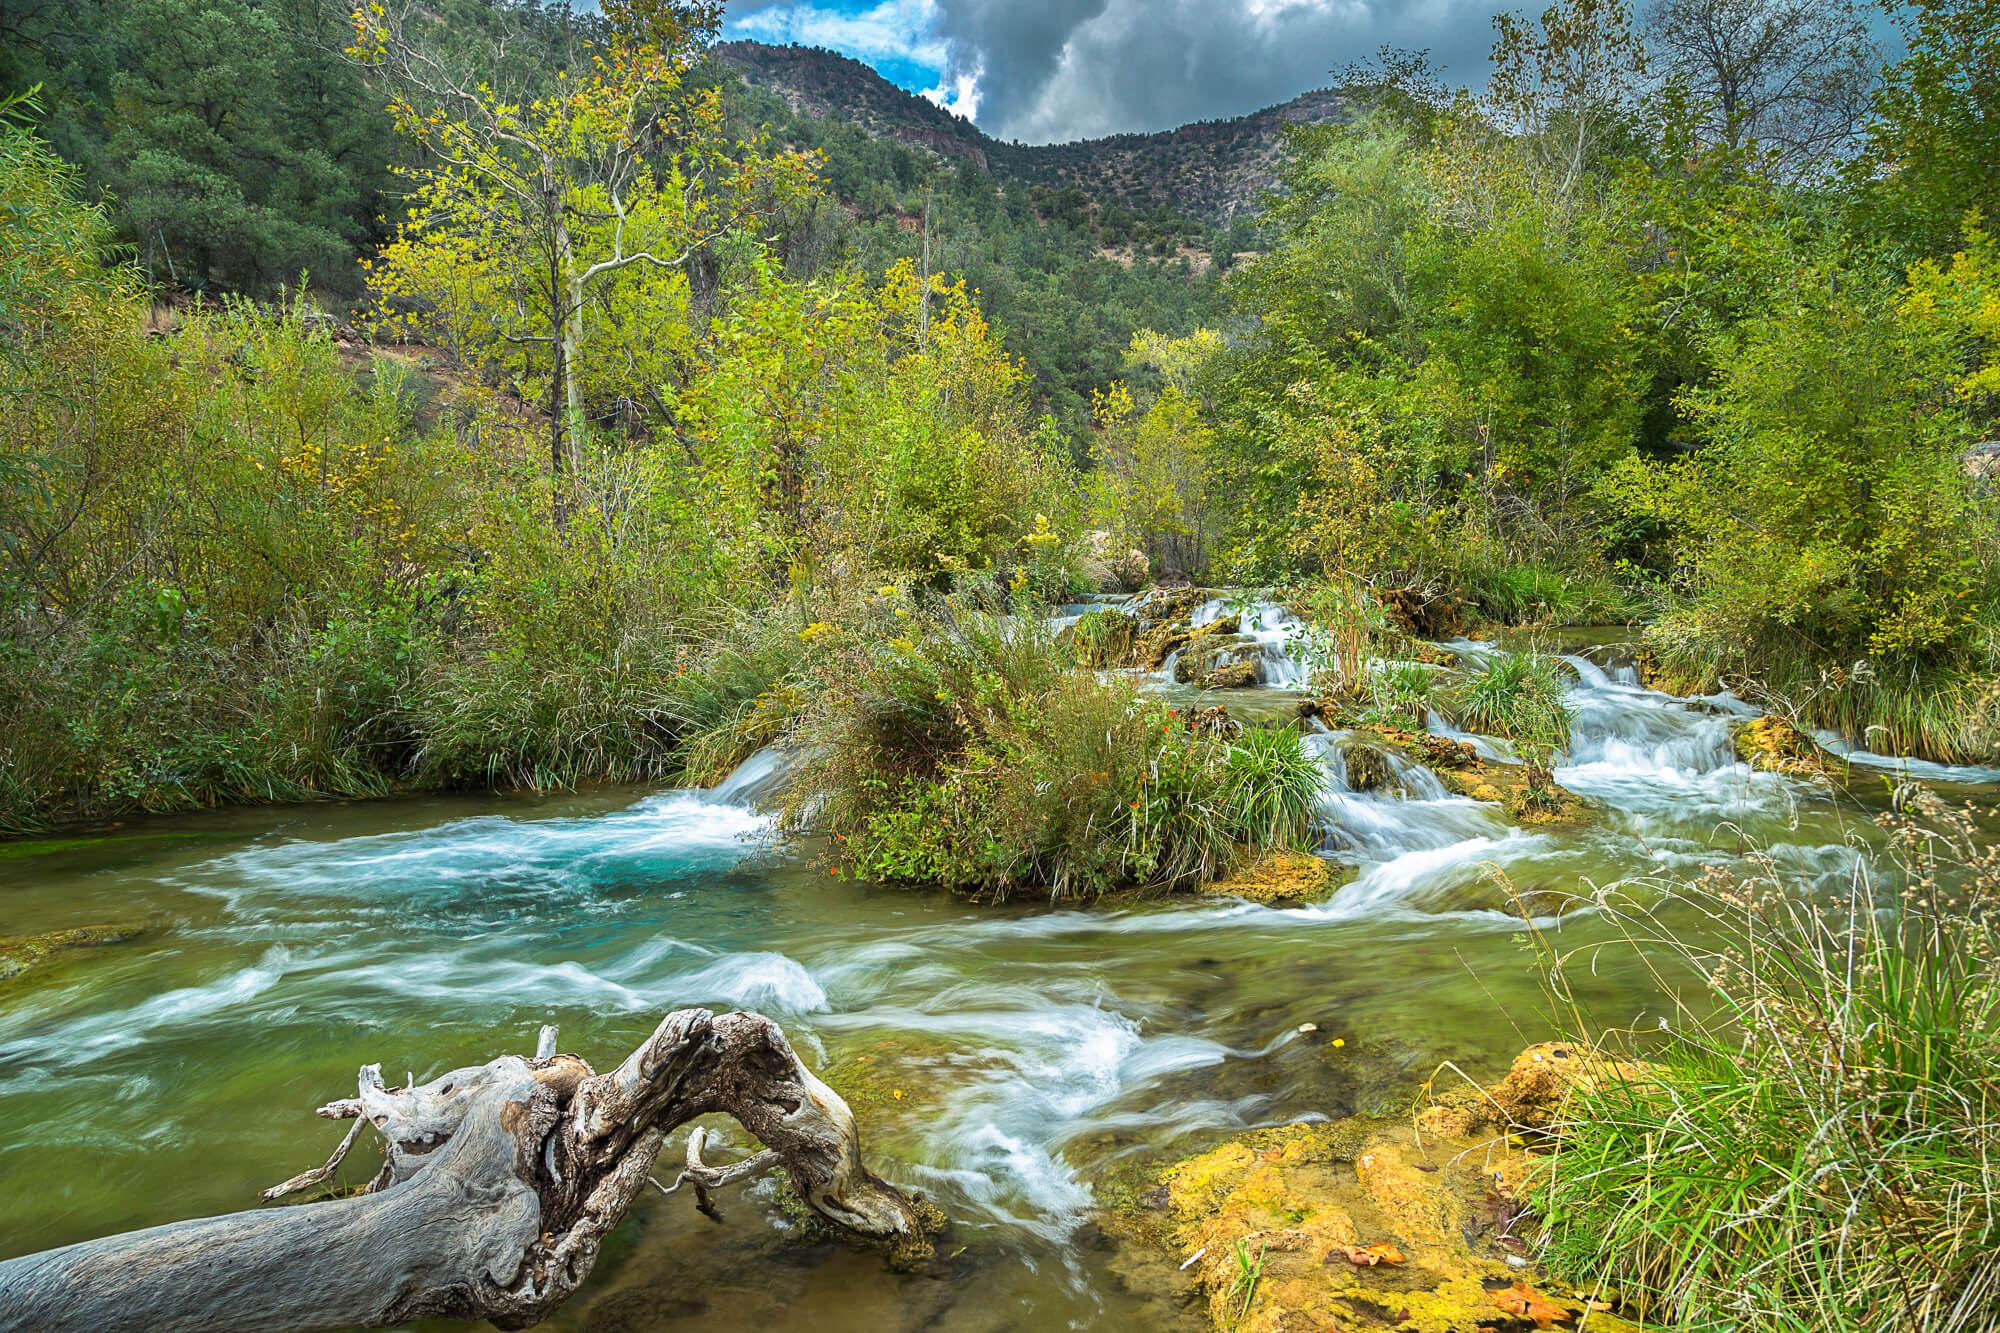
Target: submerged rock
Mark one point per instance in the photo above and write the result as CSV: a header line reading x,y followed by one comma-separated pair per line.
x,y
1279,879
20,953
1391,1224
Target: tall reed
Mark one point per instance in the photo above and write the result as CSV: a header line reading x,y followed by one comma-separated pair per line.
x,y
1820,1151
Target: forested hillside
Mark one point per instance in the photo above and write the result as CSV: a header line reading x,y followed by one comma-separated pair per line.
x,y
240,149
1210,170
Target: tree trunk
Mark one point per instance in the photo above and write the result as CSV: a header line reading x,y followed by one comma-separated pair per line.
x,y
500,1182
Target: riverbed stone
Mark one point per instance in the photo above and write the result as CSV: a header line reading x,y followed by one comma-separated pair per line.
x,y
23,953
1279,879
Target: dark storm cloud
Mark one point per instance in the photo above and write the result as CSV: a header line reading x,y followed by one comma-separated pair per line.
x,y
1050,70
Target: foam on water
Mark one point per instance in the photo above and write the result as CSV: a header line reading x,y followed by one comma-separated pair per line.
x,y
1922,770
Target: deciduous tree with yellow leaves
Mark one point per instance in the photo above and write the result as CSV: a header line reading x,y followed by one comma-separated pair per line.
x,y
550,240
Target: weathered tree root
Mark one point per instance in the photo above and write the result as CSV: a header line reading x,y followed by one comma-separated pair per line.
x,y
498,1186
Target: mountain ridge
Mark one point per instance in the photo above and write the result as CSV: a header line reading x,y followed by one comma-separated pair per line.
x,y
1213,169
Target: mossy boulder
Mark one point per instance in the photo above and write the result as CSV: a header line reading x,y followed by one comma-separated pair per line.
x,y
1167,606
1363,1223
1238,675
1530,798
1532,1095
1773,745
1168,637
1102,638
1217,661
1367,769
1280,879
22,953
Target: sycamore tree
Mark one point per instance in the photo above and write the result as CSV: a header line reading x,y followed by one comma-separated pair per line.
x,y
549,236
1154,463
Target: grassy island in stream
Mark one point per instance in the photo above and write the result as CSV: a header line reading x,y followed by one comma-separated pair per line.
x,y
972,753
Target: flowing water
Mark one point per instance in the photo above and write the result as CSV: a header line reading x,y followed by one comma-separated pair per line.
x,y
1007,1061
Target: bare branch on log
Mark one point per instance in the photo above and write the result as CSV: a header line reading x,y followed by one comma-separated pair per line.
x,y
499,1184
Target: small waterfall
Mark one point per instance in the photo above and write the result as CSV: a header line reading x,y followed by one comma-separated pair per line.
x,y
1411,812
1638,729
1271,627
759,781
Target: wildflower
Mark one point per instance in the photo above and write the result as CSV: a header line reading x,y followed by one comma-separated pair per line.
x,y
1340,1041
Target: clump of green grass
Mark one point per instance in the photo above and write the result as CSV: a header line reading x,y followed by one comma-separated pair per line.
x,y
966,752
1536,593
1402,692
1944,711
1249,1276
1516,695
1822,1152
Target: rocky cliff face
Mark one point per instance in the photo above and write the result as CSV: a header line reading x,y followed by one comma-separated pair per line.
x,y
1212,170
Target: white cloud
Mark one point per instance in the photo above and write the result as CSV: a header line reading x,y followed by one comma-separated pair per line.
x,y
958,94
894,30
1052,70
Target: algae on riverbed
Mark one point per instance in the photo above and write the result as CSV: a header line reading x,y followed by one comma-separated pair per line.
x,y
1411,1223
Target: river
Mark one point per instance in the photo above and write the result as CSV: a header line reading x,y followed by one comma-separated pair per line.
x,y
1005,1060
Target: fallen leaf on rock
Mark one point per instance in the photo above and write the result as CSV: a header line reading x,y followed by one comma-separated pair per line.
x,y
1523,1300
1367,1256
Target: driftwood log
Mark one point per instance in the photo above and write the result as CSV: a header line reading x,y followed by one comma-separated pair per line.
x,y
499,1184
